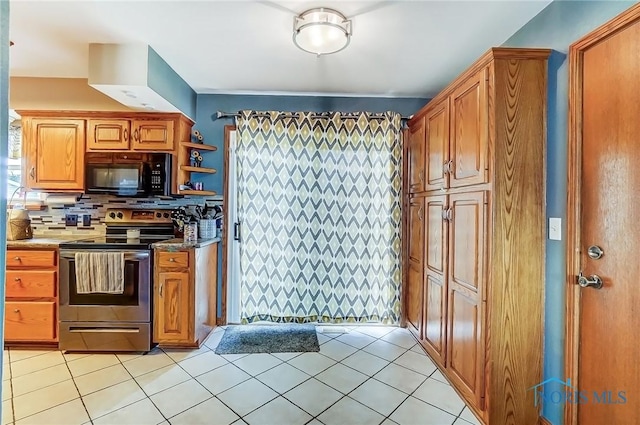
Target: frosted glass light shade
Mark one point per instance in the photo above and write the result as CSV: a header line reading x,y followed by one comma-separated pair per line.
x,y
321,31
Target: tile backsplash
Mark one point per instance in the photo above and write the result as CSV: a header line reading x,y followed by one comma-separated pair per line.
x,y
50,221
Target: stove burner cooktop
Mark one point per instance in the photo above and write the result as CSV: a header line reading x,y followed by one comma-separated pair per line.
x,y
154,226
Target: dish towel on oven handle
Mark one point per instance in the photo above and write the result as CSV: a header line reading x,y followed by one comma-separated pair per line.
x,y
99,272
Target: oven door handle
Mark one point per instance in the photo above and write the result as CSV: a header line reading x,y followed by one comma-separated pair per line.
x,y
138,256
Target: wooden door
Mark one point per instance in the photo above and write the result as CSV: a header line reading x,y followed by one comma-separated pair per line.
x,y
465,327
103,134
152,135
435,298
172,311
608,371
469,132
416,156
54,154
437,146
414,297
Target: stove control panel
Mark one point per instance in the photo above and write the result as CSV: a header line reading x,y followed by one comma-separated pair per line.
x,y
137,216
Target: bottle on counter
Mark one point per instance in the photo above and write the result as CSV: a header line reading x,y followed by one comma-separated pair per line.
x,y
191,232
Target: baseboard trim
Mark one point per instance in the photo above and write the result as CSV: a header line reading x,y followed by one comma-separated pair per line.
x,y
543,421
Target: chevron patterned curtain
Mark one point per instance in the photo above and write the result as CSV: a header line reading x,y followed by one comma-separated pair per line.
x,y
319,201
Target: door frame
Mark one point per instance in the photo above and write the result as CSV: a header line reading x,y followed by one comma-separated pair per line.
x,y
574,185
222,319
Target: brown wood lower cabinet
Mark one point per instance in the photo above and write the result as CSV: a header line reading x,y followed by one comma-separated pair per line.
x,y
31,289
415,264
184,295
475,258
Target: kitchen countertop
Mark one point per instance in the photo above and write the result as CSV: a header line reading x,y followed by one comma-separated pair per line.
x,y
179,243
44,242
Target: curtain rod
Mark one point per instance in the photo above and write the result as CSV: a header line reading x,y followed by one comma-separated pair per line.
x,y
221,114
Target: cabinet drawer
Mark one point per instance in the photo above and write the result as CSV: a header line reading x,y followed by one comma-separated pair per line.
x,y
173,259
31,283
30,321
18,258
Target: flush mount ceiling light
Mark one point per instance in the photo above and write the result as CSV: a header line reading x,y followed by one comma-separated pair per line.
x,y
321,31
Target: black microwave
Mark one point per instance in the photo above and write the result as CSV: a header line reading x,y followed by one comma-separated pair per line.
x,y
128,174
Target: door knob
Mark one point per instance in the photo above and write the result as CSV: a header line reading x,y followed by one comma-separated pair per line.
x,y
593,281
595,252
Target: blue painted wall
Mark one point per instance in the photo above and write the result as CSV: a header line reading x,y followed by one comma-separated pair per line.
x,y
213,129
556,27
164,81
4,149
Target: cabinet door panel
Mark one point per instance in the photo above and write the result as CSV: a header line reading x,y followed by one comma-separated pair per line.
x,y
466,239
152,134
435,317
465,329
437,146
172,307
416,156
54,154
465,346
436,234
416,230
30,321
107,134
435,270
469,132
414,297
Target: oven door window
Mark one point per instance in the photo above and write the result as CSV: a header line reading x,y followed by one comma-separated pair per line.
x,y
129,297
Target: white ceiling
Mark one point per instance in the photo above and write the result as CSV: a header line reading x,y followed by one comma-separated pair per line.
x,y
398,48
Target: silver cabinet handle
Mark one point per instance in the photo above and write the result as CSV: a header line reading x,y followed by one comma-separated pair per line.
x,y
17,310
17,258
126,135
420,214
161,289
450,214
32,172
447,167
17,279
172,260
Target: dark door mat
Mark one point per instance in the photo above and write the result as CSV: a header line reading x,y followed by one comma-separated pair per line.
x,y
280,338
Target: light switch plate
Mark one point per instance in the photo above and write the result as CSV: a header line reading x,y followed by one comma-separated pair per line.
x,y
555,228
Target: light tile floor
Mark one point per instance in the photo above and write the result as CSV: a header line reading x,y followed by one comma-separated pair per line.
x,y
369,375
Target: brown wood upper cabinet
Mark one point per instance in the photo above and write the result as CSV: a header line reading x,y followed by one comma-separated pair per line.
x,y
469,132
53,153
454,135
124,134
437,146
416,156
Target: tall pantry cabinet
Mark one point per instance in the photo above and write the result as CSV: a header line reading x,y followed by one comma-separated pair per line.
x,y
476,226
